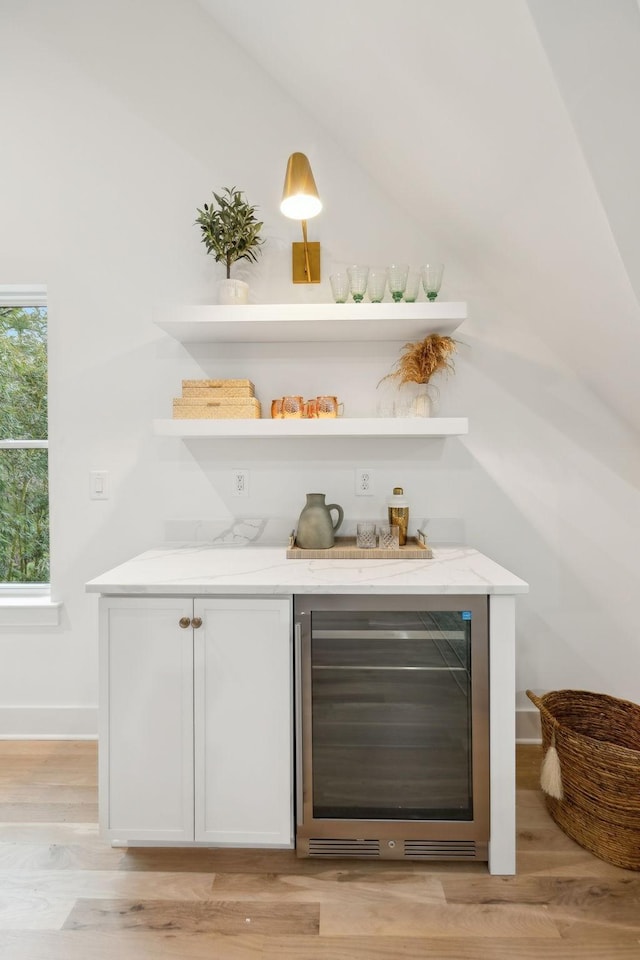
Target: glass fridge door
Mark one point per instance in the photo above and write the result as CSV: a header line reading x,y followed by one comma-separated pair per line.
x,y
392,714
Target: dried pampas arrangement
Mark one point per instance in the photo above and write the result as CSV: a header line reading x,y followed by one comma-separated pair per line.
x,y
420,361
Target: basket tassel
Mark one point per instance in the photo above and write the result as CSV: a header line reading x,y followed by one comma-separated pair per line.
x,y
550,773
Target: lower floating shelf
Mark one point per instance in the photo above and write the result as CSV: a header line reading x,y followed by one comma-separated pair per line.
x,y
339,427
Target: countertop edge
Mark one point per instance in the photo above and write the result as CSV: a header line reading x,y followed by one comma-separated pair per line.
x,y
196,569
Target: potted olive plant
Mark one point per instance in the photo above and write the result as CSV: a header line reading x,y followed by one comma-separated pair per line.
x,y
418,363
230,232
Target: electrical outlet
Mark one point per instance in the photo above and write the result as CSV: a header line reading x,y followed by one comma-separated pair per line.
x,y
240,483
364,482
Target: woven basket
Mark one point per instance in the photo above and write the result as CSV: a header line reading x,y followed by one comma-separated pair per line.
x,y
597,739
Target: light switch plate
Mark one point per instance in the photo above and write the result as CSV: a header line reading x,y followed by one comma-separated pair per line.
x,y
98,485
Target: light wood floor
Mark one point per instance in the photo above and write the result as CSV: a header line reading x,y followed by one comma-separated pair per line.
x,y
66,895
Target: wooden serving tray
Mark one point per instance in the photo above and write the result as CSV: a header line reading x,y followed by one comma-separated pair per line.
x,y
345,549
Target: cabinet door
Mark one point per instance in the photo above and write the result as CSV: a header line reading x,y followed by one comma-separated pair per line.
x,y
146,719
244,725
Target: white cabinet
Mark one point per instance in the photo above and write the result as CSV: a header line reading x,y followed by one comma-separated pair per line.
x,y
196,721
244,722
146,720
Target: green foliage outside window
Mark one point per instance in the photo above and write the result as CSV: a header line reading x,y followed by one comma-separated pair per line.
x,y
24,497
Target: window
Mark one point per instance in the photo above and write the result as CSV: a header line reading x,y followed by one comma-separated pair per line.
x,y
24,489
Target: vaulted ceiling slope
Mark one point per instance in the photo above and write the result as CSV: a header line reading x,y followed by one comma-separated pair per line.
x,y
509,128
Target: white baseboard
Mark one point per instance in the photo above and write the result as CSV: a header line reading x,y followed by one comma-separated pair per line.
x,y
48,723
528,726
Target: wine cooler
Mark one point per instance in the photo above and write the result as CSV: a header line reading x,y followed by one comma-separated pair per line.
x,y
392,731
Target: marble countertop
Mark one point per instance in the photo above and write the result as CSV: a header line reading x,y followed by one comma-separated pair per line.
x,y
202,569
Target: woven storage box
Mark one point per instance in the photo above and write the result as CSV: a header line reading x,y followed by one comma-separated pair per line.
x,y
218,388
597,739
218,408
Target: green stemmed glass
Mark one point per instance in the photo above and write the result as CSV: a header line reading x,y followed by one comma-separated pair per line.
x,y
397,277
432,279
358,277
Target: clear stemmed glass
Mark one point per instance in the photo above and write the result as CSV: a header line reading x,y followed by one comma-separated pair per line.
x,y
377,284
412,288
397,276
358,276
432,279
340,287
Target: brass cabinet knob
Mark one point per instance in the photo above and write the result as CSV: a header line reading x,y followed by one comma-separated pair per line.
x,y
184,622
196,622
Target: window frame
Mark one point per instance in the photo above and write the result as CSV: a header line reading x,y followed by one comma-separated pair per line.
x,y
26,604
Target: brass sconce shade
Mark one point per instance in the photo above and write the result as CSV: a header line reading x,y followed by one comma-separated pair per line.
x,y
300,201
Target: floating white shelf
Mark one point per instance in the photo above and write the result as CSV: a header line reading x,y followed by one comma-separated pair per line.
x,y
392,427
290,322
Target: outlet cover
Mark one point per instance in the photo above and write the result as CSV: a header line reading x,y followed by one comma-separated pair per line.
x,y
364,482
240,483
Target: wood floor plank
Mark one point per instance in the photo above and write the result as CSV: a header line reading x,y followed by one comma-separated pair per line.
x,y
209,916
449,948
16,855
39,792
615,901
141,945
137,945
576,863
363,887
52,812
26,910
71,885
26,831
528,760
418,919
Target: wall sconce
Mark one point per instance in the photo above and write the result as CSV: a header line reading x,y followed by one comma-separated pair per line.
x,y
300,201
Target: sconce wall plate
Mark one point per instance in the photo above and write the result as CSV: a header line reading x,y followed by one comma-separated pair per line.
x,y
298,262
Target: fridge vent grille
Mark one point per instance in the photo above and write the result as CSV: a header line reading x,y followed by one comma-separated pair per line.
x,y
411,849
440,849
344,848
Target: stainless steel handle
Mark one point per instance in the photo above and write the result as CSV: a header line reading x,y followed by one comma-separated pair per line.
x,y
196,622
184,622
297,679
372,634
354,667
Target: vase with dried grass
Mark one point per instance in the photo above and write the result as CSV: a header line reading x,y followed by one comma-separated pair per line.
x,y
418,363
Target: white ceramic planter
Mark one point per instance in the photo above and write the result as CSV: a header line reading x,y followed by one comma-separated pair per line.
x,y
233,291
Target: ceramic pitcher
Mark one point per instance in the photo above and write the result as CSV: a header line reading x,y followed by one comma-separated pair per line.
x,y
315,526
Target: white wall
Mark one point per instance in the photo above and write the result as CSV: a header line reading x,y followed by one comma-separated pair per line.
x,y
122,119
